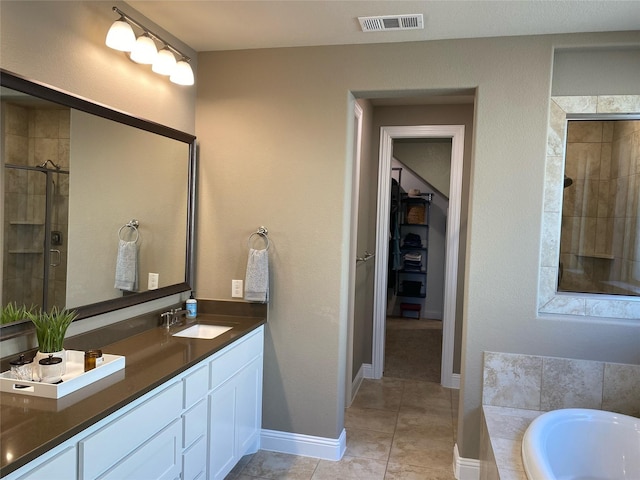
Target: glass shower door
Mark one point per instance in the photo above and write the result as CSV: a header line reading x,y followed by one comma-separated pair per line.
x,y
35,227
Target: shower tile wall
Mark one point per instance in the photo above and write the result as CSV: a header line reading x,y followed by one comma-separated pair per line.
x,y
31,136
600,249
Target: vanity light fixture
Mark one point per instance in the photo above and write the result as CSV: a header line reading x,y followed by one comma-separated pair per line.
x,y
182,73
143,50
121,36
165,62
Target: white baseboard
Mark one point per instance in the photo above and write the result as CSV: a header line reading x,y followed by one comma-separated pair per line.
x,y
366,371
455,380
305,445
465,468
355,385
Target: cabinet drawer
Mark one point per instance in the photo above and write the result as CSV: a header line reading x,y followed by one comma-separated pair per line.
x,y
62,465
194,460
229,362
196,386
195,423
104,448
157,459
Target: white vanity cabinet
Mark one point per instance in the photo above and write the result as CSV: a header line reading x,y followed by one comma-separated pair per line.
x,y
195,426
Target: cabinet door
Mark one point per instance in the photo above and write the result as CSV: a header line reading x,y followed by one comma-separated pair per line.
x,y
159,458
235,412
222,414
249,408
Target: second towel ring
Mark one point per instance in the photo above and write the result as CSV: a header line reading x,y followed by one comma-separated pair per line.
x,y
262,232
133,224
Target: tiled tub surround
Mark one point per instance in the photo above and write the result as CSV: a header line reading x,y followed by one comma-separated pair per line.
x,y
549,300
517,388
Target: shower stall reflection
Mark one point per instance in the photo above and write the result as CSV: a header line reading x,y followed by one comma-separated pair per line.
x,y
36,194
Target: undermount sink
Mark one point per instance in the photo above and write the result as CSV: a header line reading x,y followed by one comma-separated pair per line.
x,y
199,330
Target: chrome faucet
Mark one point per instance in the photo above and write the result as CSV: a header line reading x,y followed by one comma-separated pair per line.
x,y
172,317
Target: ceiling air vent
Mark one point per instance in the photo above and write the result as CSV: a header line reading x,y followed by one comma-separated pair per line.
x,y
391,22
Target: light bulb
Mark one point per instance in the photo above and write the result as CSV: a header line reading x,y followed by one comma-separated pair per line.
x,y
144,51
182,74
120,36
165,62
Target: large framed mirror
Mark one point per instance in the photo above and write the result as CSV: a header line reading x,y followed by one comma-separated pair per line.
x,y
98,205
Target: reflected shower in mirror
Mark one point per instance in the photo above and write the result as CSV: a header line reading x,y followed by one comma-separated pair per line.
x,y
600,233
76,172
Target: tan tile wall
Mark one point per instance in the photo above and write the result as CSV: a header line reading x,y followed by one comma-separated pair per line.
x,y
548,383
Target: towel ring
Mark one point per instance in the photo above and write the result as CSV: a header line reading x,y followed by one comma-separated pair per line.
x,y
262,232
133,224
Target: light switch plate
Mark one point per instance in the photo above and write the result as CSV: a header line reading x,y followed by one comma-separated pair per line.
x,y
236,288
152,283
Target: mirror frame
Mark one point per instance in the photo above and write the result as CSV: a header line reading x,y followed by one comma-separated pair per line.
x,y
550,301
52,94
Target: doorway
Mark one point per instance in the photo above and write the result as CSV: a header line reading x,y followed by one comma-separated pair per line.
x,y
388,134
415,299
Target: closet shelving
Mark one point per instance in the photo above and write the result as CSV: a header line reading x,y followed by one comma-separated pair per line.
x,y
413,228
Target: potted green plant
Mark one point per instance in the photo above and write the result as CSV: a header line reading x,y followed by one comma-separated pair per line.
x,y
51,329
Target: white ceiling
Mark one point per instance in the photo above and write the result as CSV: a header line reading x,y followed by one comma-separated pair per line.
x,y
208,25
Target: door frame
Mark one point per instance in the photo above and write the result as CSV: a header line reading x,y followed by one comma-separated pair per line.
x,y
353,244
387,135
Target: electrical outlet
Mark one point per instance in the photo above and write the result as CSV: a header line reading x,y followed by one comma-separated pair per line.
x,y
236,288
152,283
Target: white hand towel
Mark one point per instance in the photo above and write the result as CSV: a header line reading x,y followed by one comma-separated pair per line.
x,y
127,266
256,283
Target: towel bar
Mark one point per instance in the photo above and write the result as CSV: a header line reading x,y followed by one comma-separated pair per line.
x,y
264,233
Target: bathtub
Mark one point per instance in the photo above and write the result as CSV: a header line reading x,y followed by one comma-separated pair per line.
x,y
582,444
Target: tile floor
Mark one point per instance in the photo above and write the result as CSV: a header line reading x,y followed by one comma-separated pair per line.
x,y
397,429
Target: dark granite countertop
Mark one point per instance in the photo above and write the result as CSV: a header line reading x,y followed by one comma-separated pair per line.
x,y
30,426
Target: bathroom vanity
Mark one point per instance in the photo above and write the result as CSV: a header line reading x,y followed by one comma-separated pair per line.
x,y
182,407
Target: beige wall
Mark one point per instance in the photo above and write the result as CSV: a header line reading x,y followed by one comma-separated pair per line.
x,y
430,160
274,128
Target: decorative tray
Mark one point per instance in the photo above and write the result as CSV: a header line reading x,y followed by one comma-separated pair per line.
x,y
74,378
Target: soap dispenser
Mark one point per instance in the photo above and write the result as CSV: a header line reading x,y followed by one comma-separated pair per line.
x,y
192,307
